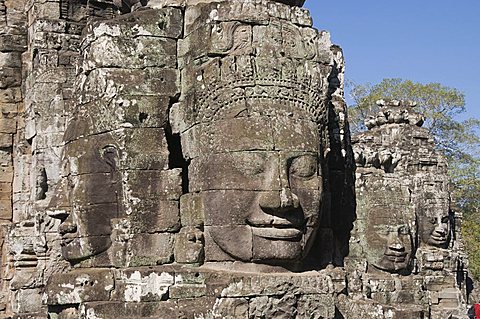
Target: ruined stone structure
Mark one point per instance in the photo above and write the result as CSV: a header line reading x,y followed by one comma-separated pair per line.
x,y
192,159
406,224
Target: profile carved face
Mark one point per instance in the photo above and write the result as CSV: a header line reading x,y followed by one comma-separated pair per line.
x,y
85,228
261,182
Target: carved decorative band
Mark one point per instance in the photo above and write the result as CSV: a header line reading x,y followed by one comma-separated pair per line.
x,y
214,98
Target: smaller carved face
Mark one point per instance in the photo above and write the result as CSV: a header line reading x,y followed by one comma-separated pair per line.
x,y
388,237
387,225
435,230
391,244
433,211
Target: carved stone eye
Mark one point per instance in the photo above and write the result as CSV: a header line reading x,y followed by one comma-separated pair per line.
x,y
404,230
249,164
382,230
304,166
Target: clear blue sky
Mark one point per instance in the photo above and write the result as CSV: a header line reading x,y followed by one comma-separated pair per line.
x,y
421,40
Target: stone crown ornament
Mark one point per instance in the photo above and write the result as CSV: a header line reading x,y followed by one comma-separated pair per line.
x,y
395,111
126,6
301,94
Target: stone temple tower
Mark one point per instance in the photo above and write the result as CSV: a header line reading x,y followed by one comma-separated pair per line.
x,y
192,159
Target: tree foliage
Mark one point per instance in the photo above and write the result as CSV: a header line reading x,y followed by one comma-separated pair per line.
x,y
458,139
471,237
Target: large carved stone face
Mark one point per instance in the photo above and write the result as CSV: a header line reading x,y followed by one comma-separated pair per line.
x,y
261,185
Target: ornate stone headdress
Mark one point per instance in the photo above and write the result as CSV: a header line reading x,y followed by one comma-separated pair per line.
x,y
289,89
271,60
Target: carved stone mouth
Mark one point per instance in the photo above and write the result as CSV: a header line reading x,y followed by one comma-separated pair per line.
x,y
437,240
277,233
276,222
396,257
275,227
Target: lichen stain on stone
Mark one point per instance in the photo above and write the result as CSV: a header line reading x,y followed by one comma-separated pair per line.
x,y
137,286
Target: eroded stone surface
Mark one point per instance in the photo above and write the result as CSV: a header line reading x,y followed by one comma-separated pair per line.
x,y
402,182
192,159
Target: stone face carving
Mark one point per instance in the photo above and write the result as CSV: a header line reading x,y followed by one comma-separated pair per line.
x,y
192,159
86,199
105,162
402,191
424,193
435,227
251,125
388,225
260,205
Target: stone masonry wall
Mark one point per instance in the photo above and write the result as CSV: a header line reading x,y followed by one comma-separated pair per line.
x,y
13,42
192,159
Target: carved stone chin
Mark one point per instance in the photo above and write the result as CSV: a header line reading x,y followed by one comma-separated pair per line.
x,y
76,249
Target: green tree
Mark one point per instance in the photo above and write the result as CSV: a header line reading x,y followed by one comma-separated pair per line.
x,y
471,238
458,139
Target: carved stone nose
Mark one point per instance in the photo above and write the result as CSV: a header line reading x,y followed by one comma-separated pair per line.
x,y
279,200
395,243
440,230
288,199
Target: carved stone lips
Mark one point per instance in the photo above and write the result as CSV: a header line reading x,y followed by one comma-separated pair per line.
x,y
276,228
277,233
395,256
437,239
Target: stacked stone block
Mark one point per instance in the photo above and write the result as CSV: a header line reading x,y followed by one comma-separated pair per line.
x,y
179,292
192,159
429,261
252,59
13,42
117,139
